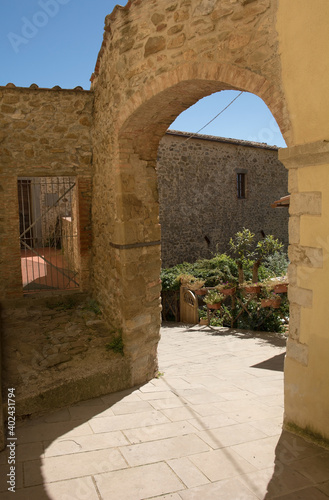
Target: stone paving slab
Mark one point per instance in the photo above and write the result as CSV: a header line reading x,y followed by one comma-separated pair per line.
x,y
209,428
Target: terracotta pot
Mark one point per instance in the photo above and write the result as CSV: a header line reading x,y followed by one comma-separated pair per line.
x,y
281,288
228,291
201,291
275,303
203,321
214,306
252,289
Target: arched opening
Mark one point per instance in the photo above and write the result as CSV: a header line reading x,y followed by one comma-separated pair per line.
x,y
231,114
136,223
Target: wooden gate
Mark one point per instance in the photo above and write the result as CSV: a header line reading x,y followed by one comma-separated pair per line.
x,y
188,307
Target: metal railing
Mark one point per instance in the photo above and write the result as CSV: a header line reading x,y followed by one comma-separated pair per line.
x,y
48,233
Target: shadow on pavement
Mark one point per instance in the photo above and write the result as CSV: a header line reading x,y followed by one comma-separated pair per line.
x,y
36,435
301,470
276,363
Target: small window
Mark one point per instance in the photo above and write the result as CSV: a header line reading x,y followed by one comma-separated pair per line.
x,y
241,185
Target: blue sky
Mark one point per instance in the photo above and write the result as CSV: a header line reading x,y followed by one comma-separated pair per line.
x,y
56,42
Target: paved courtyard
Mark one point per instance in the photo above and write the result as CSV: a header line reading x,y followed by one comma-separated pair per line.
x,y
208,428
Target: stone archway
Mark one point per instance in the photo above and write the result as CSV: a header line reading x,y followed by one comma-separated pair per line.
x,y
157,59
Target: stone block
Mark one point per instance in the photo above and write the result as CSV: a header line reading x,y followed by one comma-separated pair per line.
x,y
154,45
293,180
305,155
300,296
157,18
292,274
138,321
294,321
181,15
204,8
294,230
297,351
306,256
306,203
54,360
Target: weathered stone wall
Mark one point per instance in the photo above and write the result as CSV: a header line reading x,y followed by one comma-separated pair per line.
x,y
66,358
199,207
44,132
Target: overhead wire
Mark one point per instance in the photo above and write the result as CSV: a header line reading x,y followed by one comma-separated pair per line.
x,y
210,121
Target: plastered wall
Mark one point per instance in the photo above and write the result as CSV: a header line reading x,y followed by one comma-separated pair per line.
x,y
304,42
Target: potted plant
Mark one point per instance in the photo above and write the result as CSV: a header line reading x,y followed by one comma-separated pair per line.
x,y
252,288
192,283
227,288
213,299
278,285
185,279
272,300
281,285
269,297
203,316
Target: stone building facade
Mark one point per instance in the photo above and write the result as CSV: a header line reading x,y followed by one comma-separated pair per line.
x,y
200,204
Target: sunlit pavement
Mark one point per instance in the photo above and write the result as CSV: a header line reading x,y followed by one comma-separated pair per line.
x,y
208,428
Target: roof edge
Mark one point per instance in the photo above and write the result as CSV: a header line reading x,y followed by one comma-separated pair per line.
x,y
34,86
226,140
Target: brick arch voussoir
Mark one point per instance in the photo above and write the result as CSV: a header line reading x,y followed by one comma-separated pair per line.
x,y
211,76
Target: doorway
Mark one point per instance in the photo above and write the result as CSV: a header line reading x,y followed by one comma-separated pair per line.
x,y
48,233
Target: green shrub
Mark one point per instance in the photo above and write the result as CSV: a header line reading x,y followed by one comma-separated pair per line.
x,y
220,268
276,264
116,345
170,279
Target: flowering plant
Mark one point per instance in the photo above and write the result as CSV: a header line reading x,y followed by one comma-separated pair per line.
x,y
213,297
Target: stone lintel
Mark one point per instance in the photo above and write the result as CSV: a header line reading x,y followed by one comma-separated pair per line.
x,y
305,155
306,203
297,351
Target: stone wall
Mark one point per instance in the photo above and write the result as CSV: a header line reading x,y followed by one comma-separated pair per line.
x,y
199,206
66,358
44,132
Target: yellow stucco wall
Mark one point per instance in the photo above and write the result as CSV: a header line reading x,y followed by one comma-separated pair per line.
x,y
304,47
